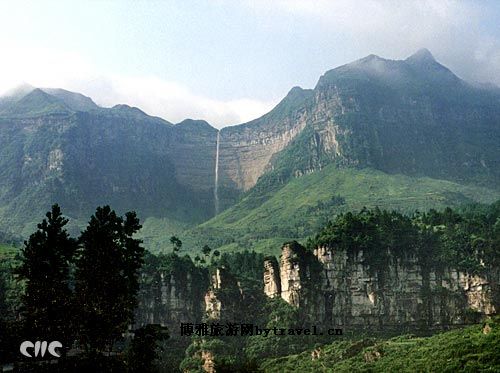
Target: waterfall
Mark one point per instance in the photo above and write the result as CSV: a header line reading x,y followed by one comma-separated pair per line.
x,y
216,185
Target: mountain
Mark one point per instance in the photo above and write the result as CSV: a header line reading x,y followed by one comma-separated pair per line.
x,y
397,133
61,147
75,101
37,102
413,117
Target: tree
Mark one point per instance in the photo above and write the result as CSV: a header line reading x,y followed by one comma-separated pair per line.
x,y
206,250
144,348
45,268
215,257
107,278
176,244
3,294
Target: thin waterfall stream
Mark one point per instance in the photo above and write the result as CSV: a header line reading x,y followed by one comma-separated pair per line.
x,y
216,185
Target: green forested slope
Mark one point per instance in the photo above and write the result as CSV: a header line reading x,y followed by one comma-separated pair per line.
x,y
306,203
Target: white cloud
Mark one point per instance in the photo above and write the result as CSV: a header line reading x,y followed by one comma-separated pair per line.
x,y
176,102
43,67
453,30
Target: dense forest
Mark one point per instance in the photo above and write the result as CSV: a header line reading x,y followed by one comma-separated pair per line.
x,y
83,292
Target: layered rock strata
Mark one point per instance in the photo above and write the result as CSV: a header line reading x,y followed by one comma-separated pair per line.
x,y
346,291
170,299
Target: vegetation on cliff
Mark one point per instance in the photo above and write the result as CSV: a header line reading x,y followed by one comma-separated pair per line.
x,y
472,349
466,240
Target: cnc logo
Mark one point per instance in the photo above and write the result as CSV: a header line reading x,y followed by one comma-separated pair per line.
x,y
40,348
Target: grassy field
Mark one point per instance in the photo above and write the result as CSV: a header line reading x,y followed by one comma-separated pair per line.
x,y
305,204
7,251
473,349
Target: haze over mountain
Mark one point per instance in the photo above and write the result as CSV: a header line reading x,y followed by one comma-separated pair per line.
x,y
413,121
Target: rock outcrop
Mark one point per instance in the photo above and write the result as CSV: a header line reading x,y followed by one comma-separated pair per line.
x,y
340,289
223,296
272,282
192,150
170,298
246,150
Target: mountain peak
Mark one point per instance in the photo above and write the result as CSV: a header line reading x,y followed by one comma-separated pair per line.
x,y
371,57
422,55
194,123
37,102
19,91
75,101
38,97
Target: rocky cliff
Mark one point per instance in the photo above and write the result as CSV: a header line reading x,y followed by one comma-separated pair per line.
x,y
405,116
247,149
172,292
413,117
223,297
327,285
192,150
335,288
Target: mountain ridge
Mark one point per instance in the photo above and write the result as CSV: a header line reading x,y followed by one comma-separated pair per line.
x,y
412,117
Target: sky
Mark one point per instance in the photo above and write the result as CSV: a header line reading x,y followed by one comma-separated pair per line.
x,y
229,61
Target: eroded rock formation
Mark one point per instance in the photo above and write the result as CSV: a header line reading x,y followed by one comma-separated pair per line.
x,y
341,289
272,284
223,296
170,298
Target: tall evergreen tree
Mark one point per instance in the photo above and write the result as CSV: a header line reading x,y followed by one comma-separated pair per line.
x,y
45,268
3,295
107,282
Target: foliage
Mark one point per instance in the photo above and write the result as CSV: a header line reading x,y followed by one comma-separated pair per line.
x,y
466,241
176,244
143,350
45,267
246,265
301,207
472,349
106,277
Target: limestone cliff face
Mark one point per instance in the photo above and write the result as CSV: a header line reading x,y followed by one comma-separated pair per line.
x,y
245,152
185,295
292,275
170,299
247,149
345,291
223,297
192,150
272,282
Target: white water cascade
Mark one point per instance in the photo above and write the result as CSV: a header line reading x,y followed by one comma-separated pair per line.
x,y
216,185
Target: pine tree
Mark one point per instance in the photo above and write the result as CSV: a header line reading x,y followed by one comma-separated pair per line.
x,y
107,277
45,268
144,348
176,244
